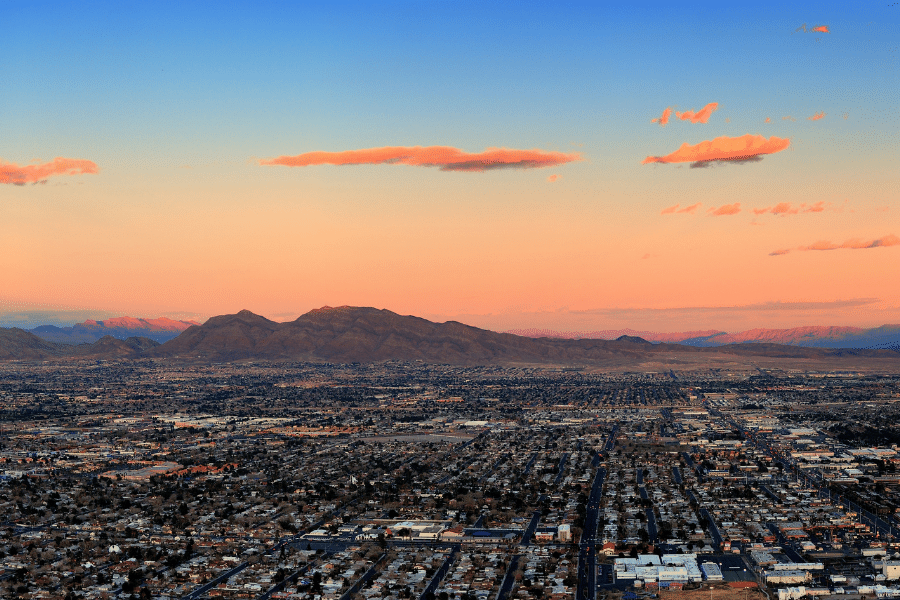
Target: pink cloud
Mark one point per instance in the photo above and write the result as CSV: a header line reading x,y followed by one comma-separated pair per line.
x,y
821,29
725,210
788,118
443,157
14,174
854,244
553,178
768,119
701,116
739,149
689,210
816,117
663,120
786,208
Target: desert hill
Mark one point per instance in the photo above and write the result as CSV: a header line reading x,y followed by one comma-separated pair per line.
x,y
367,335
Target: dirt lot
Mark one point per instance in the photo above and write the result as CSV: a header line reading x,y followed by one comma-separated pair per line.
x,y
718,592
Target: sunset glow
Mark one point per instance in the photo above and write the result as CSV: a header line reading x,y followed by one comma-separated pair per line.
x,y
575,166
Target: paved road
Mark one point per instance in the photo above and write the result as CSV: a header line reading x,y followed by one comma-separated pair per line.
x,y
441,572
562,467
651,525
713,528
509,580
529,531
530,464
223,577
587,553
369,574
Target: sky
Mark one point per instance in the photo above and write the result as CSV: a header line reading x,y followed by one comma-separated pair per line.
x,y
572,166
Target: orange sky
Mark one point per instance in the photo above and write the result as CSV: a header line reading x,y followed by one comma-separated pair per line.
x,y
430,161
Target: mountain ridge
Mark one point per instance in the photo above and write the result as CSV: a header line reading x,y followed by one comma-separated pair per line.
x,y
370,335
161,329
812,336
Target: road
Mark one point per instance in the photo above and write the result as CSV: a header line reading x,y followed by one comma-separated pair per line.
x,y
529,531
713,528
441,572
562,467
509,580
587,553
196,593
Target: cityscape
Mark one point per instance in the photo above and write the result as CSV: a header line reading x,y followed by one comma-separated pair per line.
x,y
160,479
449,300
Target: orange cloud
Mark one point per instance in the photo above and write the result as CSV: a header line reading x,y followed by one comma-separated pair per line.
x,y
768,119
676,209
739,149
443,157
701,116
16,175
854,244
725,210
821,29
816,117
785,208
788,118
553,178
663,120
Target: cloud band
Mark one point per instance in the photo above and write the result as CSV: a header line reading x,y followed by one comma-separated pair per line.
x,y
740,149
15,175
443,157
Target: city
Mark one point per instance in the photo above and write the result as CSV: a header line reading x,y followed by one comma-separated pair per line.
x,y
156,479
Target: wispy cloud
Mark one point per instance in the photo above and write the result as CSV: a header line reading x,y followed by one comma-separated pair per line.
x,y
701,116
816,117
663,119
816,29
678,210
768,119
11,173
443,157
725,210
788,118
853,244
746,148
553,178
786,208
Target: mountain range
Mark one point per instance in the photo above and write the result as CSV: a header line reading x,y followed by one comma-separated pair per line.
x,y
366,335
886,336
160,330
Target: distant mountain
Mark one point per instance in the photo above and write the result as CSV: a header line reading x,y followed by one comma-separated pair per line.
x,y
886,336
160,330
366,335
18,344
